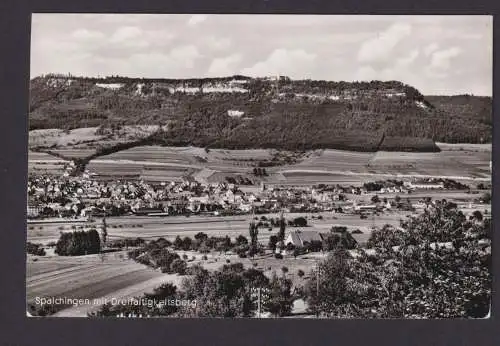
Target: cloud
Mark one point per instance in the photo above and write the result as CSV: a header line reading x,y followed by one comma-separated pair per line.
x,y
187,54
125,33
428,50
413,49
409,59
84,34
366,73
218,43
224,66
175,64
381,47
442,59
197,19
290,62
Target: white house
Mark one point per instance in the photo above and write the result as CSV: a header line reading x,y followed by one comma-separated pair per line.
x,y
424,185
364,207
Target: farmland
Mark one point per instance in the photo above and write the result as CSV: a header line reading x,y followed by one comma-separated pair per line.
x,y
156,163
68,277
45,163
232,226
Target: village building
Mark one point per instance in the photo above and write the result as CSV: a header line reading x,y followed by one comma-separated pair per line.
x,y
299,238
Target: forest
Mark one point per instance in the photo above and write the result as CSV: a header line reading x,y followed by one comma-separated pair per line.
x,y
285,114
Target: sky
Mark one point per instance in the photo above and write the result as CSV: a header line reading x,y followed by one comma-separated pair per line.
x,y
439,55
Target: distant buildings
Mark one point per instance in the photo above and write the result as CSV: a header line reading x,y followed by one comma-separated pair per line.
x,y
424,185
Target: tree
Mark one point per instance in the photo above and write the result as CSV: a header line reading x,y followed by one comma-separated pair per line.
x,y
179,266
486,198
241,240
222,293
397,199
375,199
200,236
280,300
104,231
477,215
78,243
281,233
273,240
342,240
254,231
178,243
300,222
345,288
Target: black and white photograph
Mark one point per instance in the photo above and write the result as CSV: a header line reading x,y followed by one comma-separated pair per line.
x,y
259,166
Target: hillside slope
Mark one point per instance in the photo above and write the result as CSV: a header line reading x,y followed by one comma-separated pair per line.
x,y
242,112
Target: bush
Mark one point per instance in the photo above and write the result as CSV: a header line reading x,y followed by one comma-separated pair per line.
x,y
185,257
357,231
300,273
228,261
179,266
35,249
278,256
284,269
204,257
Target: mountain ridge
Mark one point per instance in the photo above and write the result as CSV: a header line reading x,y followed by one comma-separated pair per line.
x,y
243,112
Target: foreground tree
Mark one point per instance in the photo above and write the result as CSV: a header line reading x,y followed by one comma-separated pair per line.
x,y
279,300
437,266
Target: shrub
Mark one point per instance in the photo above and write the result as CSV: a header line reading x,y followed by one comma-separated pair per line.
x,y
278,256
204,257
228,261
185,257
179,266
35,249
357,231
300,273
284,269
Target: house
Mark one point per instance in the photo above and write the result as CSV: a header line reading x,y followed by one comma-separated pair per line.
x,y
298,238
364,207
424,185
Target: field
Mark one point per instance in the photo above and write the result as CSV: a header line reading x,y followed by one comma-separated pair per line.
x,y
232,226
45,163
88,277
156,163
58,137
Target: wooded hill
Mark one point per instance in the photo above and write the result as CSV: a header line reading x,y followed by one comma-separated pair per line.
x,y
243,112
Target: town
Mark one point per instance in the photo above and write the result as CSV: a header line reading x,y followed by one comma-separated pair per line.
x,y
67,197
